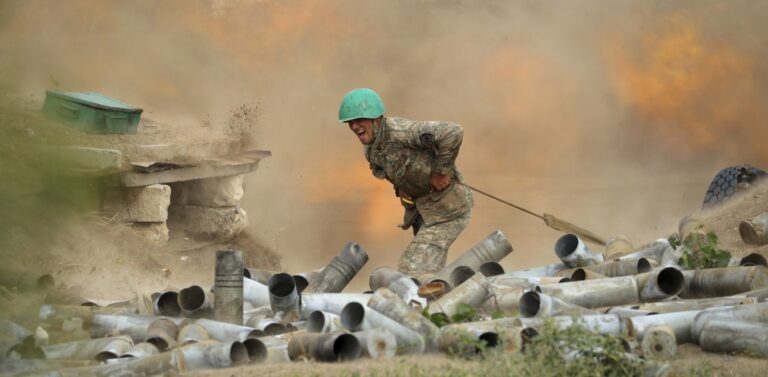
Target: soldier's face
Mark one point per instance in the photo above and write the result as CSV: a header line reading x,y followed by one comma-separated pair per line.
x,y
363,129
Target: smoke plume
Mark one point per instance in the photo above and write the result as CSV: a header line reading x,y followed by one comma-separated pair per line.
x,y
611,115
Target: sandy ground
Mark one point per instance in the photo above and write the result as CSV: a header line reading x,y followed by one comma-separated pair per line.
x,y
725,221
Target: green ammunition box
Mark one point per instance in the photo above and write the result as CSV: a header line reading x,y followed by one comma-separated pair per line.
x,y
92,112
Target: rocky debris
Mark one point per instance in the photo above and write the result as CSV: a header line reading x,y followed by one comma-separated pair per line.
x,y
147,204
209,208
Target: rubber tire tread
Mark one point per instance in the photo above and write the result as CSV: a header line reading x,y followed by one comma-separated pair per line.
x,y
725,184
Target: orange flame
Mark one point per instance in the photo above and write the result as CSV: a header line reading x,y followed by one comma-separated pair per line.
x,y
381,211
692,90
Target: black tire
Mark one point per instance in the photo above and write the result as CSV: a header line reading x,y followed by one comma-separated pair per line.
x,y
730,181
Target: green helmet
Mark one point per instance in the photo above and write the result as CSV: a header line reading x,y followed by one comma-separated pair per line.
x,y
360,103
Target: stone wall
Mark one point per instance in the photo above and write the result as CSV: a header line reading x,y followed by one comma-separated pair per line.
x,y
206,209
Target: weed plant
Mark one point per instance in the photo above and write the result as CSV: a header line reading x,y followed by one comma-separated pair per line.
x,y
700,251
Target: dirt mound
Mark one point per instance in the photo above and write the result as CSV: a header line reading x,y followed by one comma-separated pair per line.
x,y
724,220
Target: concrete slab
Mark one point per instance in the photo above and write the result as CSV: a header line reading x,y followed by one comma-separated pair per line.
x,y
240,164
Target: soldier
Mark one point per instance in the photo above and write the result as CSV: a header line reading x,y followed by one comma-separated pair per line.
x,y
418,158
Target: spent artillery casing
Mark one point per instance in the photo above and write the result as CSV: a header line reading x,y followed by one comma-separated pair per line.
x,y
82,349
377,343
324,347
574,253
225,331
228,287
162,334
748,312
599,323
382,277
284,297
596,293
114,349
195,301
507,331
618,246
659,342
388,303
304,278
340,271
655,250
473,292
729,335
542,271
329,302
135,326
621,267
492,248
491,269
534,304
726,281
212,354
679,322
259,275
57,314
695,304
167,303
459,275
581,274
753,259
755,231
320,321
357,317
505,299
140,350
191,333
689,224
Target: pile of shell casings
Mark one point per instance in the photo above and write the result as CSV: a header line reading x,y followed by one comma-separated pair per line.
x,y
255,316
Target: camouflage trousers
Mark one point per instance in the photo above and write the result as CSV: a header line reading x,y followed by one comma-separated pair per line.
x,y
428,251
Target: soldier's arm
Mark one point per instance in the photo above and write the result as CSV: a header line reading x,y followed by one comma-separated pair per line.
x,y
444,138
377,170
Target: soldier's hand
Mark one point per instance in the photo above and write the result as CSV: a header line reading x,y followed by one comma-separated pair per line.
x,y
440,181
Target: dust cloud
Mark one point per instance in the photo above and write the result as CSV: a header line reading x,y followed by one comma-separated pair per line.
x,y
611,115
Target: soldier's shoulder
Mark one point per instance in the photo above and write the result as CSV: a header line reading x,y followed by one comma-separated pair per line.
x,y
397,124
402,124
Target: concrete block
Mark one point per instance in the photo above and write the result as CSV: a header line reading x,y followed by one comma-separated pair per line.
x,y
222,223
146,204
210,192
156,232
138,204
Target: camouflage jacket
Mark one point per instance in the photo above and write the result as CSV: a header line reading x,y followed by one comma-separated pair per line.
x,y
406,152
